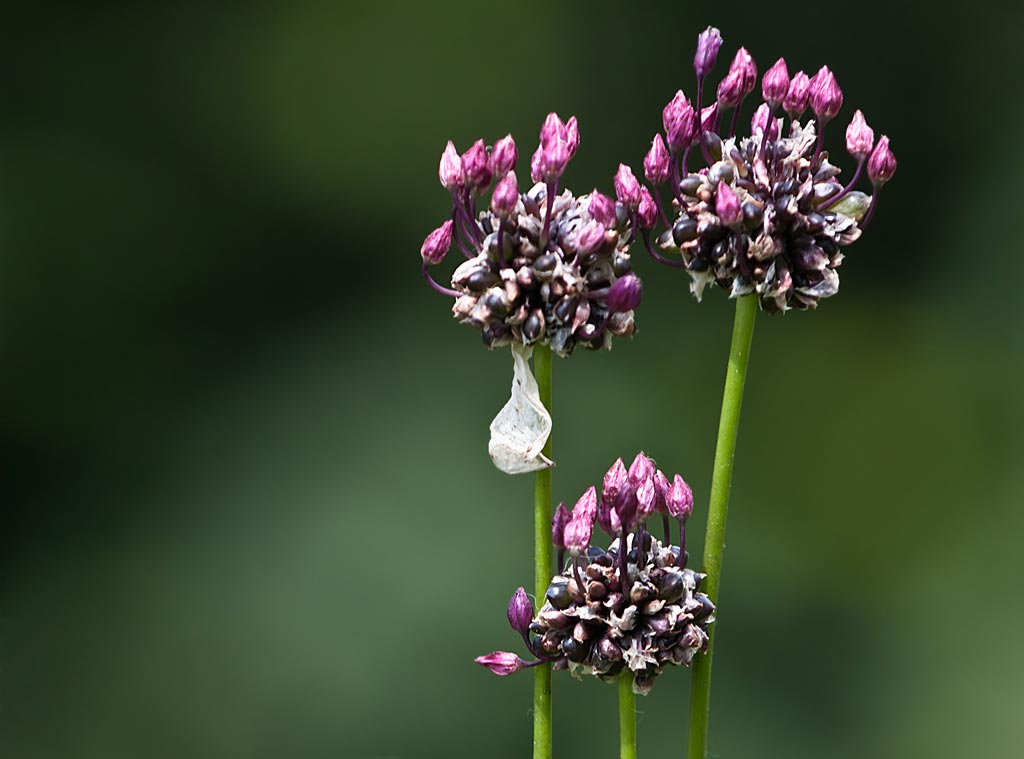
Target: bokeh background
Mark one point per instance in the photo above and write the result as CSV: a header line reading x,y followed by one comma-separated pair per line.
x,y
247,506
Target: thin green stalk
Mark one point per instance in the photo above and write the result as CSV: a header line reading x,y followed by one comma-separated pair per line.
x,y
721,484
627,716
542,563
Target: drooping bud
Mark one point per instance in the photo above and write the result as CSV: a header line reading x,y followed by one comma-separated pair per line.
x,y
680,122
602,209
504,156
795,102
501,662
647,211
656,162
572,135
708,43
882,164
625,295
826,97
506,195
727,205
558,523
450,169
520,611
436,246
860,138
476,167
679,499
627,188
590,237
775,83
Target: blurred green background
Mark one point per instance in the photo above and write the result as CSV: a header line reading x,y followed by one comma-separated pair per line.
x,y
247,506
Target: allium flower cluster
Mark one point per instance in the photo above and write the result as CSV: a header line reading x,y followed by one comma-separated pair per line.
x,y
541,265
767,214
633,606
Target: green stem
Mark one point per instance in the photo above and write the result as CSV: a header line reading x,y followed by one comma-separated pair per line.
x,y
542,563
721,483
627,716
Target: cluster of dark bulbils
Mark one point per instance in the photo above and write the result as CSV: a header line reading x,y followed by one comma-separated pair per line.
x,y
767,215
541,266
635,606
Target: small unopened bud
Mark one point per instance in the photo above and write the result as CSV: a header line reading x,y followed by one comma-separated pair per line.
x,y
506,195
614,479
626,505
476,167
775,83
504,156
577,535
727,205
590,237
740,81
586,506
662,486
436,246
647,211
641,469
625,294
795,102
708,43
627,188
501,662
572,135
450,169
708,117
826,97
860,138
520,611
680,122
764,121
602,209
552,130
656,162
558,523
679,499
882,164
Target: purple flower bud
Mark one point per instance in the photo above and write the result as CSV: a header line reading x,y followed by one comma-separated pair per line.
x,y
882,164
520,611
625,295
504,156
602,209
536,169
795,102
614,479
590,237
501,662
641,469
627,188
450,170
626,505
577,534
552,130
506,195
607,519
740,81
826,97
558,523
572,135
708,117
436,246
646,498
708,43
647,211
680,122
727,205
775,83
860,138
764,121
586,506
662,486
656,162
476,167
552,160
679,499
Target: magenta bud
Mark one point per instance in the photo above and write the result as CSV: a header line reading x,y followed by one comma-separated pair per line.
x,y
626,506
727,205
679,499
552,130
602,209
641,469
450,169
572,135
740,81
882,164
536,167
501,662
795,102
625,294
558,523
627,188
504,156
646,499
708,117
647,211
436,246
506,195
607,519
860,138
775,83
520,611
577,535
586,506
476,167
552,161
680,122
730,89
662,486
708,43
656,162
590,237
764,121
614,479
826,97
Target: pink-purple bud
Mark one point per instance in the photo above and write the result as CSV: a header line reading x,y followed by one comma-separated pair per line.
x,y
602,209
656,162
860,138
607,519
577,535
708,117
558,523
572,135
476,167
590,237
727,205
882,164
740,81
436,246
680,122
586,506
662,487
708,43
646,499
826,97
775,83
764,121
506,195
520,611
679,499
627,188
795,102
647,211
504,156
626,506
625,294
450,169
552,130
501,662
614,479
641,469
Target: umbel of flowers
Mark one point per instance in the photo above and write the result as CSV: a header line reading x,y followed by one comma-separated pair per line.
x,y
542,265
768,213
633,606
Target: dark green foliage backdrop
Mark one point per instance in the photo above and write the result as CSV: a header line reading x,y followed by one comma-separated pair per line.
x,y
247,509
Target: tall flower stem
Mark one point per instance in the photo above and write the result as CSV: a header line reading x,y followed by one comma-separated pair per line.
x,y
721,484
627,716
542,563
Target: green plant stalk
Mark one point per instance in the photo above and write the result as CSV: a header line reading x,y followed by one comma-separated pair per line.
x,y
627,716
721,484
542,548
